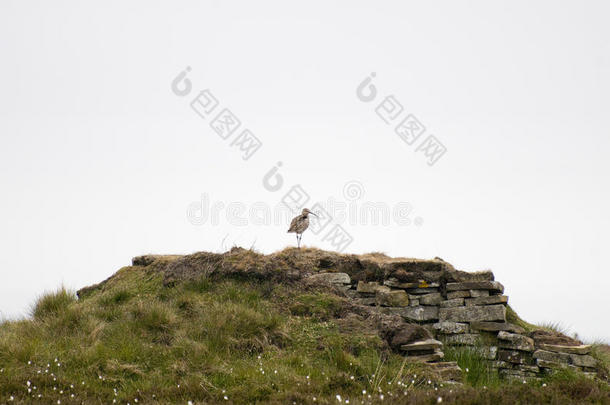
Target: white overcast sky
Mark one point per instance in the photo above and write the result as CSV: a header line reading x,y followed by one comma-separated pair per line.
x,y
100,160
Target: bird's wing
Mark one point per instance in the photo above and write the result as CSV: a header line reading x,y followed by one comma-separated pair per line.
x,y
293,224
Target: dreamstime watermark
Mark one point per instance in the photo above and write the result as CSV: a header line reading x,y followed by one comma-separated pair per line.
x,y
407,127
353,211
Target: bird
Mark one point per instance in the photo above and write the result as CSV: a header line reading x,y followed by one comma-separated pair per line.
x,y
299,224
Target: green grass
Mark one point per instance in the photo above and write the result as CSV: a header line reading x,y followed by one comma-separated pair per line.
x,y
204,340
477,369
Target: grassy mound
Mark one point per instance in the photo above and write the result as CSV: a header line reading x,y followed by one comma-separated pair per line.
x,y
148,336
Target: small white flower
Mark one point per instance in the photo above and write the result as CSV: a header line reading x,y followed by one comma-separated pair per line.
x,y
439,400
226,398
381,397
189,403
29,362
135,400
544,385
71,395
338,397
58,401
11,398
466,369
28,383
363,392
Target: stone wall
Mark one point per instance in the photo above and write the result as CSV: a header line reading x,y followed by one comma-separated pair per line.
x,y
468,309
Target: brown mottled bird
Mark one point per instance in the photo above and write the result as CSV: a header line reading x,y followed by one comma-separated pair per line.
x,y
299,224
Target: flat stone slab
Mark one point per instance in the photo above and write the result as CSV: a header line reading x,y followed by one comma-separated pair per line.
x,y
394,298
515,341
420,313
458,294
581,349
447,370
330,278
452,303
423,290
473,313
430,299
461,276
428,344
426,282
489,352
553,357
492,286
450,328
426,358
489,300
466,339
513,356
583,360
365,287
479,293
496,326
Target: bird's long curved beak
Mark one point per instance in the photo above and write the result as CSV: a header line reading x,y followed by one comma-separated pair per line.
x,y
313,214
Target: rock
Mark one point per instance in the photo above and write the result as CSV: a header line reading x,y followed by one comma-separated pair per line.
x,y
413,302
394,298
500,364
428,344
479,293
473,313
515,341
552,356
490,300
449,328
467,339
330,278
580,349
455,302
407,333
553,338
492,286
497,326
425,358
447,370
430,299
458,294
517,375
368,287
527,369
489,352
418,291
462,276
513,356
583,360
365,301
392,282
549,364
421,313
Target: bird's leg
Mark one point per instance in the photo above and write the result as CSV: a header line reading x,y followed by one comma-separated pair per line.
x,y
298,241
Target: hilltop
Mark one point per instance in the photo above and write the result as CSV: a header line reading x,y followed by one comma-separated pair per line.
x,y
295,326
